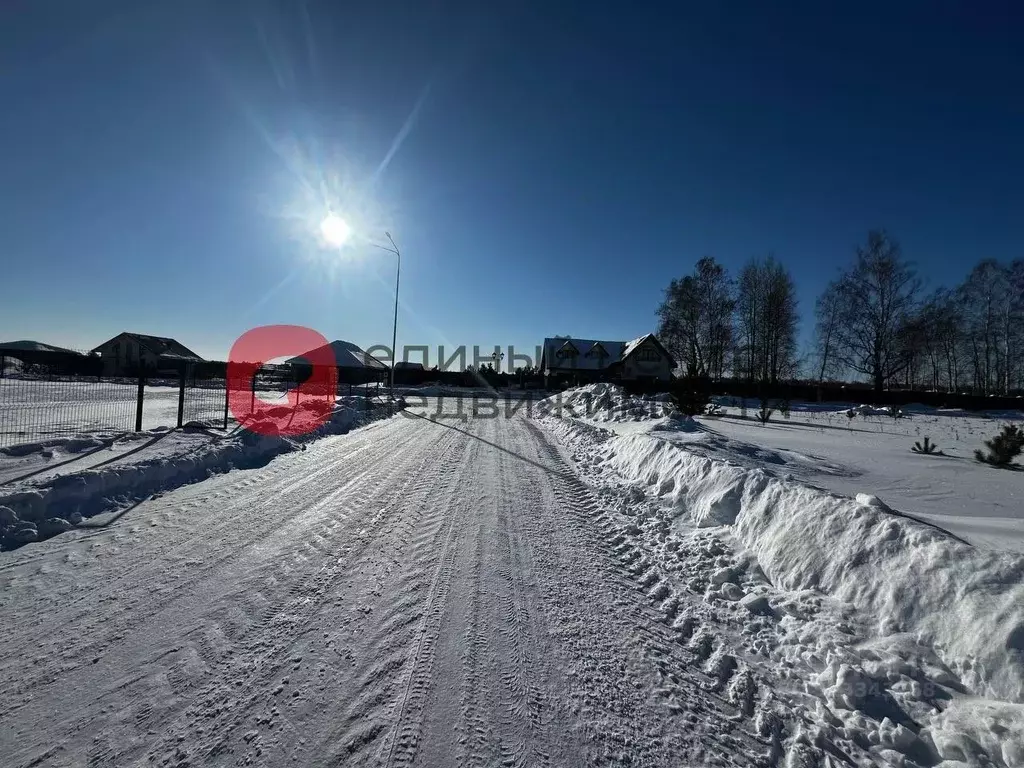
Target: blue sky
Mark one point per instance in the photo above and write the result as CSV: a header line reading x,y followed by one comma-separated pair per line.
x,y
545,167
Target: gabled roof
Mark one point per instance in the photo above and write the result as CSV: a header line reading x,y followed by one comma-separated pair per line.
x,y
347,355
161,346
34,346
581,362
631,347
617,351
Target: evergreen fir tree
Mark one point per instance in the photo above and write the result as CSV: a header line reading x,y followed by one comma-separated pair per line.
x,y
1003,448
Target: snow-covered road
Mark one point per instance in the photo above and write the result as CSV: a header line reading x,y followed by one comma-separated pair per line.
x,y
413,593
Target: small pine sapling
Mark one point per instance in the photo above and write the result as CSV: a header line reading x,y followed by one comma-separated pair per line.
x,y
784,408
691,401
927,447
765,414
1003,448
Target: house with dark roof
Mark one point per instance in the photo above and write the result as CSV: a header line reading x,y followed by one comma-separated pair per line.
x,y
128,354
582,361
409,373
355,365
25,355
33,347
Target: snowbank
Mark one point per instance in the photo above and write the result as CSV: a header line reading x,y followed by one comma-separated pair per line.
x,y
73,444
870,634
907,575
608,403
34,511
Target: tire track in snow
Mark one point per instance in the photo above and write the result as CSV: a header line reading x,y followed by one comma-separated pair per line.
x,y
400,749
120,593
177,683
490,600
523,661
384,652
681,689
471,727
132,607
267,644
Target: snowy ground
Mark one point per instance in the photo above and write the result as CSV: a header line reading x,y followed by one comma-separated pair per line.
x,y
52,485
412,593
69,407
870,453
36,410
49,458
906,625
509,591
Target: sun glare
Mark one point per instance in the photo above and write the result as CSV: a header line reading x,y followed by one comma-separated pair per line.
x,y
335,230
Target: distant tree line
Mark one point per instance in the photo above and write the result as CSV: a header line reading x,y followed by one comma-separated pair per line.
x,y
874,321
746,327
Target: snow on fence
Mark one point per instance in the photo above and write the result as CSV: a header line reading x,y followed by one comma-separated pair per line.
x,y
59,395
34,407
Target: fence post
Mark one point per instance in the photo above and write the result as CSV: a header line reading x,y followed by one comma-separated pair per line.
x,y
227,397
138,403
181,393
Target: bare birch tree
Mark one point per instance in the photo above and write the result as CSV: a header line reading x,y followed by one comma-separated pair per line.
x,y
766,321
877,296
695,319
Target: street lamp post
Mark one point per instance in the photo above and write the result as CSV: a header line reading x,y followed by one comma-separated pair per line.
x,y
394,331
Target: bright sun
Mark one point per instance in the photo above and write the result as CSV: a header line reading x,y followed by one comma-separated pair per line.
x,y
335,230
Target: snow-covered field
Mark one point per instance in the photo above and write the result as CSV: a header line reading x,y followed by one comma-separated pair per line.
x,y
613,589
32,410
869,453
48,409
872,454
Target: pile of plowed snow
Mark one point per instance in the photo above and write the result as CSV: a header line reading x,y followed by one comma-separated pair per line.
x,y
608,403
912,584
908,575
34,511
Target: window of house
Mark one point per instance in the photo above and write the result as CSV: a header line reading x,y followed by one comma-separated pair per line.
x,y
649,354
566,353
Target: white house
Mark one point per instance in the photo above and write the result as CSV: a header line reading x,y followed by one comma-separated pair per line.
x,y
131,353
581,361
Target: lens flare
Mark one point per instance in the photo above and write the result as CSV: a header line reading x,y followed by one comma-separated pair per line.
x,y
335,230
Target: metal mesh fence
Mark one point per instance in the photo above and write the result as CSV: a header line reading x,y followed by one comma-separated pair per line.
x,y
47,395
205,402
35,408
205,397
